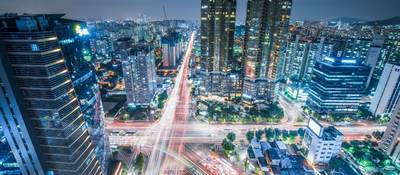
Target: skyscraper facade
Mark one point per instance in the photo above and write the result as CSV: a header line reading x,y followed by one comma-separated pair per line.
x,y
74,43
390,142
266,28
317,50
171,49
301,54
296,58
8,164
218,19
337,85
37,96
139,72
387,93
373,56
389,53
357,48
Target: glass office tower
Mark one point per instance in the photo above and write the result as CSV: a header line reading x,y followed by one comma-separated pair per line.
x,y
337,85
73,37
40,112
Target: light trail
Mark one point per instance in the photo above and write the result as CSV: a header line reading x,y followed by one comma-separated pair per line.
x,y
168,135
165,124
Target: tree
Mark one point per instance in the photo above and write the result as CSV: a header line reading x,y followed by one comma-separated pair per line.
x,y
161,99
301,132
292,135
114,155
139,163
285,134
246,164
259,134
346,145
278,133
269,134
213,147
384,119
377,135
257,170
227,146
231,136
249,136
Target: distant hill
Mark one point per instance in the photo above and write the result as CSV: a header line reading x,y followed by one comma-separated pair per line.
x,y
348,20
390,21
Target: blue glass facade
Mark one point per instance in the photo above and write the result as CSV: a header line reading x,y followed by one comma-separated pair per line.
x,y
8,164
39,109
337,85
75,46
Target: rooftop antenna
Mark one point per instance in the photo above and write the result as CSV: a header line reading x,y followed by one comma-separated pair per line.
x,y
165,13
166,18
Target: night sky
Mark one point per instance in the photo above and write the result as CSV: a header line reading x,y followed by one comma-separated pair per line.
x,y
190,9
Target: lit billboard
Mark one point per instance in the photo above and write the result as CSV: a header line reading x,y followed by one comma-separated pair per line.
x,y
315,126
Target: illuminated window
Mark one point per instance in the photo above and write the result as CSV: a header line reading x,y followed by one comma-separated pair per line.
x,y
34,47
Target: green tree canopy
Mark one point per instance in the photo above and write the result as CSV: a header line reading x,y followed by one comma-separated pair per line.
x,y
231,136
249,136
139,163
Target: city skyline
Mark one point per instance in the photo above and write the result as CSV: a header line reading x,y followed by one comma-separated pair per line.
x,y
190,9
158,94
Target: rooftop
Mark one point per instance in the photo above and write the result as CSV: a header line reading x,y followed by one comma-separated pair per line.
x,y
341,62
330,133
273,154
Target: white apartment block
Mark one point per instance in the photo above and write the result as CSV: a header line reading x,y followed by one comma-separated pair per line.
x,y
321,143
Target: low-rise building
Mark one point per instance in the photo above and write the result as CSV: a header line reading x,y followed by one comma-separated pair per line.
x,y
273,158
258,155
321,144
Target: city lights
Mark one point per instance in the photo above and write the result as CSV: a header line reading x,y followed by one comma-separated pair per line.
x,y
213,87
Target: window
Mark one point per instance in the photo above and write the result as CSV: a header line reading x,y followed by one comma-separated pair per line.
x,y
34,47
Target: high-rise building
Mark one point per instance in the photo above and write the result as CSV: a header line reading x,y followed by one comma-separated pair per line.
x,y
144,30
337,85
372,58
317,50
138,66
38,98
267,23
171,49
390,142
122,43
357,48
218,19
8,164
77,54
321,143
296,58
301,55
389,53
387,94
